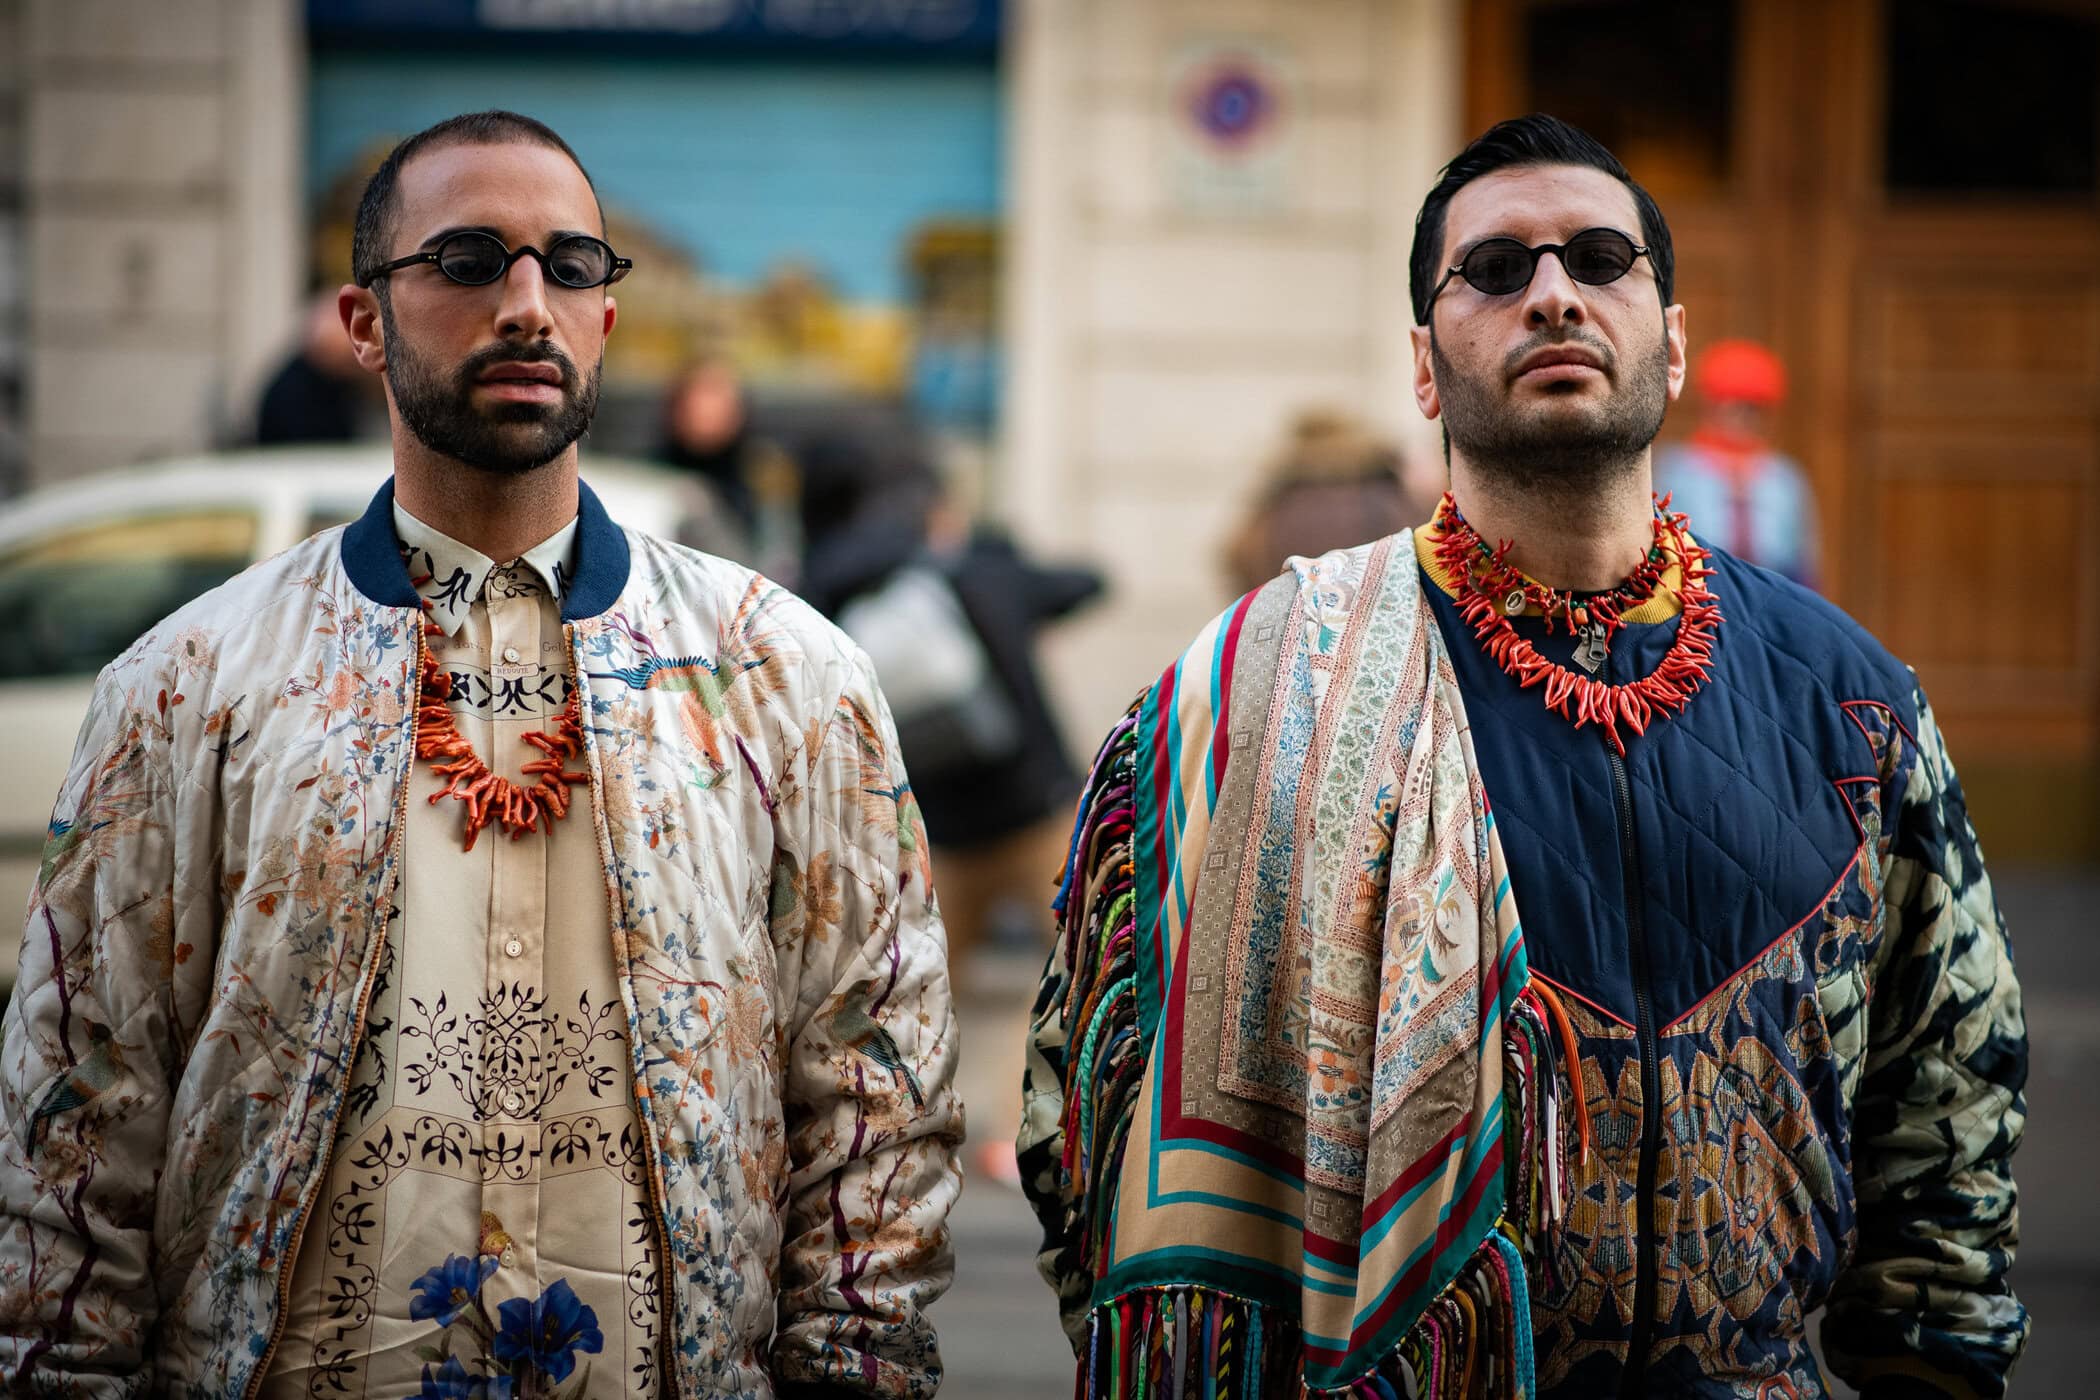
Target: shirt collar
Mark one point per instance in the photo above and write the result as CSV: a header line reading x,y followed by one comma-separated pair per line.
x,y
451,577
1664,604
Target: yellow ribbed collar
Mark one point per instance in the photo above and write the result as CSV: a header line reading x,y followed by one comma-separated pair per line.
x,y
1665,605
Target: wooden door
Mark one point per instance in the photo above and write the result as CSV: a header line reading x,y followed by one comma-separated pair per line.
x,y
1935,293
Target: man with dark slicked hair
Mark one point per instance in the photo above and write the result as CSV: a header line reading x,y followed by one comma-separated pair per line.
x,y
483,951
1537,953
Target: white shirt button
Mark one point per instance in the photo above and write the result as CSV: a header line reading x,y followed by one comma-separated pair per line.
x,y
510,1257
514,948
510,654
512,1103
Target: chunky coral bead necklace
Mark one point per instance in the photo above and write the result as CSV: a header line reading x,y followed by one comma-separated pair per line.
x,y
1491,591
1596,616
488,795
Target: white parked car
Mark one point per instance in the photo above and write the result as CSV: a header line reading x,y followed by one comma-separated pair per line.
x,y
87,567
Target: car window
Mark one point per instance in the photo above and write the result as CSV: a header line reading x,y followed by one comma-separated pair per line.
x,y
75,598
326,515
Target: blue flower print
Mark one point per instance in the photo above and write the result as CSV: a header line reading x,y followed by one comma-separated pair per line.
x,y
547,1332
444,1293
455,1382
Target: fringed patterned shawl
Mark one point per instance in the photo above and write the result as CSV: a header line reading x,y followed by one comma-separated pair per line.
x,y
1290,1119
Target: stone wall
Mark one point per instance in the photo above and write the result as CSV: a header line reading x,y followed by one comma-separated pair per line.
x,y
161,218
14,277
1169,306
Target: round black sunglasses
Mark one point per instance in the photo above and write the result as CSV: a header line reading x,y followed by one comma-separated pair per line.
x,y
475,259
1499,266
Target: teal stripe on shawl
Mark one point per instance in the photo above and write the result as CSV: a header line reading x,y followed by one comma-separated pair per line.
x,y
1166,796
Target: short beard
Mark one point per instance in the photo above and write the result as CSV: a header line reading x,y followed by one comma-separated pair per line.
x,y
1545,453
507,439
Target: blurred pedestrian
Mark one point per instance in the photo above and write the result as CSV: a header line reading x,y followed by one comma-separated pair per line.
x,y
648,1092
320,394
708,431
1749,498
1333,484
951,614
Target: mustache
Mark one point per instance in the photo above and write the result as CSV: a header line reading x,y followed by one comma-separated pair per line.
x,y
472,368
1543,340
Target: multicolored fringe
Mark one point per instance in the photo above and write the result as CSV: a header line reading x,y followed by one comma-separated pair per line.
x,y
1105,1060
1194,1343
1542,1084
1473,1341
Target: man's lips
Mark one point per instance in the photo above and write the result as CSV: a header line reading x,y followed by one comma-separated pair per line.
x,y
523,382
1561,362
522,371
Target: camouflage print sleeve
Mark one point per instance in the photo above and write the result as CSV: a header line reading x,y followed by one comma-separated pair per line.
x,y
1039,1149
1924,1308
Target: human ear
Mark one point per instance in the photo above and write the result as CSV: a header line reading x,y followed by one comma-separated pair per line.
x,y
1426,399
1674,342
359,308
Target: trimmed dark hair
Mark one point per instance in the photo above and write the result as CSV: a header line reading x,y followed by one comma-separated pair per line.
x,y
372,236
1537,139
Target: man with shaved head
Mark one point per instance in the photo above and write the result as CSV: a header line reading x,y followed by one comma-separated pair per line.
x,y
483,951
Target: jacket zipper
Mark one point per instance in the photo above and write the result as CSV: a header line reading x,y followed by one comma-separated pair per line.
x,y
1633,1378
319,1181
657,1189
667,1378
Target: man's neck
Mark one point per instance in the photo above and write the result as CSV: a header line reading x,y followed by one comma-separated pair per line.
x,y
502,516
1588,541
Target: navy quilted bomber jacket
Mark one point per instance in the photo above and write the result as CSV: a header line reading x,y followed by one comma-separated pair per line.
x,y
1801,1037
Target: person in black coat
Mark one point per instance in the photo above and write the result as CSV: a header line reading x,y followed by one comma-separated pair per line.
x,y
994,803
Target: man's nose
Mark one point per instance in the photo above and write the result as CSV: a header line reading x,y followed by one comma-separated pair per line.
x,y
1553,298
523,310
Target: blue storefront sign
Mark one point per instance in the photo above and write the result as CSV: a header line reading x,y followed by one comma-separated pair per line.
x,y
925,27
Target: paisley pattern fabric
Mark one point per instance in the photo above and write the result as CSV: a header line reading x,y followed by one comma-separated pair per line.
x,y
205,934
1306,1112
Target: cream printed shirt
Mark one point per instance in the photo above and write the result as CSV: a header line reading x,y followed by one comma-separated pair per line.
x,y
485,1227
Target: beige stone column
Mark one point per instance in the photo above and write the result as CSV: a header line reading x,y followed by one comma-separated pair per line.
x,y
164,220
1165,318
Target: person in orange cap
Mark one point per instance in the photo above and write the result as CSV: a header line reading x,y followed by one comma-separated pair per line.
x,y
1751,500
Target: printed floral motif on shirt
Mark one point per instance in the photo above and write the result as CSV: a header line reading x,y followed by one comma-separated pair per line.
x,y
506,1042
529,1348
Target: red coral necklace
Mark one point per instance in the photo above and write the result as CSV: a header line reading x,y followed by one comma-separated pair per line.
x,y
490,796
1491,591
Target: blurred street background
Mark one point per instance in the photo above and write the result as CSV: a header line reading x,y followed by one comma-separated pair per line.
x,y
1096,309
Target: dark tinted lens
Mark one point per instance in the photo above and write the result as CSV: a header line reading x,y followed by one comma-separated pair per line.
x,y
1498,266
1598,256
579,262
472,258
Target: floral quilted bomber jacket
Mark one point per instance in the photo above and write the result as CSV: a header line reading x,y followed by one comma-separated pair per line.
x,y
201,944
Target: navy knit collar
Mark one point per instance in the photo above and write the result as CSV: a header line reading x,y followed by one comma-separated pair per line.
x,y
372,557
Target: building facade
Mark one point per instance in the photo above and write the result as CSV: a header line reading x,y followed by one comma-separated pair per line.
x,y
1200,212
161,224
